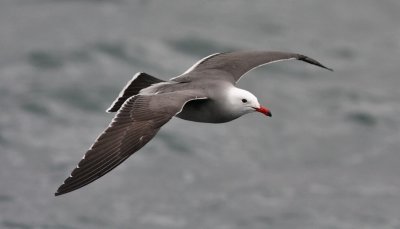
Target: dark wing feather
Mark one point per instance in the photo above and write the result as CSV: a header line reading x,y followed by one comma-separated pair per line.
x,y
138,82
135,124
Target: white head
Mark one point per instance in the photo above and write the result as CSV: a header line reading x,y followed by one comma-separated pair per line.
x,y
242,102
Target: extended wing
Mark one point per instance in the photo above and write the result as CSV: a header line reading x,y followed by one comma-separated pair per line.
x,y
231,66
135,124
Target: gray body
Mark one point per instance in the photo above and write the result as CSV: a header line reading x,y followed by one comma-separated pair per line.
x,y
210,109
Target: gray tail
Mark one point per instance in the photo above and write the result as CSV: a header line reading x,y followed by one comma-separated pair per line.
x,y
139,81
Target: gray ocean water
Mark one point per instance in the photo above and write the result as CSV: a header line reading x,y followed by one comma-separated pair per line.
x,y
328,158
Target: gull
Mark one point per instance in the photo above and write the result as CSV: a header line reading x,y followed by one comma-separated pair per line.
x,y
206,93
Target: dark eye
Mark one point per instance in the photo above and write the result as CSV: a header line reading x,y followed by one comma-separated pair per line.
x,y
244,100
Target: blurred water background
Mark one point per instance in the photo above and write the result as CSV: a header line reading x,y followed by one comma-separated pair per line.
x,y
328,158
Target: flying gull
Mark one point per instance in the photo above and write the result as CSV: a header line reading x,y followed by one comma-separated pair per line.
x,y
206,92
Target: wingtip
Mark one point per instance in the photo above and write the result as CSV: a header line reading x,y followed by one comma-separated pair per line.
x,y
327,68
323,66
313,62
112,109
61,190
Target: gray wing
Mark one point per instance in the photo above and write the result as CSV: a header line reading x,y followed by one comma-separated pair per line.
x,y
236,64
135,124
